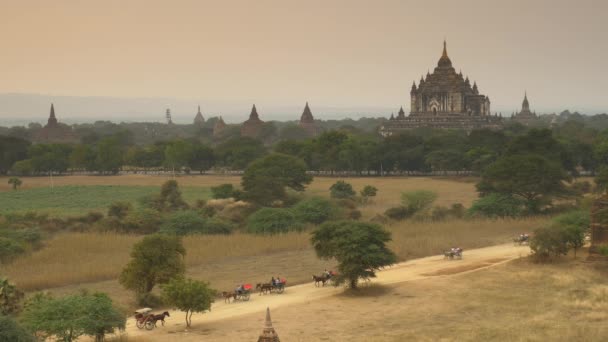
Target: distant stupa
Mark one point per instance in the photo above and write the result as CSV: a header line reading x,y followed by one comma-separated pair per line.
x,y
252,126
199,120
219,127
307,121
268,334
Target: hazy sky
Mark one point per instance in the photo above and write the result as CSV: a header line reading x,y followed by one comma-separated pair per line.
x,y
342,53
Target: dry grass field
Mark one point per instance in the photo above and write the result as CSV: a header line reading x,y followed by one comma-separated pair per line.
x,y
94,261
517,301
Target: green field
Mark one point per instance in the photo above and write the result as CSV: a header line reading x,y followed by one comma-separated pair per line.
x,y
74,200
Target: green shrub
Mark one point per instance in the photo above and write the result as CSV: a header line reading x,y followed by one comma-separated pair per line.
x,y
10,331
9,249
119,209
141,221
440,213
341,189
183,223
418,201
575,218
397,213
497,205
273,221
315,210
222,191
217,226
368,192
603,250
354,214
549,242
27,236
457,210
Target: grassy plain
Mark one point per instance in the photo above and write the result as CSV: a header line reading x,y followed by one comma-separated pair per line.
x,y
75,194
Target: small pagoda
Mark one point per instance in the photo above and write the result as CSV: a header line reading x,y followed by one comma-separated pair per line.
x,y
307,122
219,127
268,334
252,126
199,120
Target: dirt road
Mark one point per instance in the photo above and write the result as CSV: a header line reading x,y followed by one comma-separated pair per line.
x,y
413,270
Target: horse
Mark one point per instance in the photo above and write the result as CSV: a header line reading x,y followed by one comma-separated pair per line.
x,y
264,287
227,296
322,279
160,317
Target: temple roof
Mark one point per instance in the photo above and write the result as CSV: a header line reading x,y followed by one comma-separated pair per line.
x,y
307,115
525,105
444,61
52,119
268,333
253,116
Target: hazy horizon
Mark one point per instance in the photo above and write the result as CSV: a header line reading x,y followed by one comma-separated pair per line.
x,y
354,57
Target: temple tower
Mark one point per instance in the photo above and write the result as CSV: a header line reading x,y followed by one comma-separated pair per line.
x,y
307,121
252,126
199,120
52,119
268,334
219,127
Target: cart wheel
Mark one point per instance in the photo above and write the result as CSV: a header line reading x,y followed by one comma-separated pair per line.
x,y
150,325
246,296
140,323
280,289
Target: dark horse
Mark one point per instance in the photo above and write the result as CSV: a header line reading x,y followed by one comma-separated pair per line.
x,y
227,296
160,317
264,288
322,279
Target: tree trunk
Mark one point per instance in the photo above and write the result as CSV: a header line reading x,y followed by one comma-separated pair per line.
x,y
353,283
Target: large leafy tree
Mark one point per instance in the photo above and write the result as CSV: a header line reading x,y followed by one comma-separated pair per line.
x,y
266,179
154,260
189,296
530,177
359,247
109,155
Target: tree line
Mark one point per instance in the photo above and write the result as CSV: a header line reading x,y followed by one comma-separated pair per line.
x,y
573,145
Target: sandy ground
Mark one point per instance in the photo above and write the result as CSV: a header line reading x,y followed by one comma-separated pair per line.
x,y
216,325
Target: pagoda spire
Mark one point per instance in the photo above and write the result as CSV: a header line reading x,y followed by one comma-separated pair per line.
x,y
445,49
268,333
254,114
52,119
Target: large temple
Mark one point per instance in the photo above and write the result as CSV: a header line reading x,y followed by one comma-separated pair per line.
x,y
444,99
55,132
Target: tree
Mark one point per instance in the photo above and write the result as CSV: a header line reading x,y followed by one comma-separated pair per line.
x,y
341,189
178,153
10,331
530,177
70,317
265,179
154,260
360,249
222,191
575,224
237,153
601,179
189,296
15,182
368,192
119,209
190,222
109,155
315,210
12,150
497,205
169,199
10,296
549,242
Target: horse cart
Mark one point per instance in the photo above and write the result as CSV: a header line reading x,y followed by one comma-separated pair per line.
x,y
144,318
279,285
243,293
454,253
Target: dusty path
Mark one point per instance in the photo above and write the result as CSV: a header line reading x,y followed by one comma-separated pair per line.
x,y
416,269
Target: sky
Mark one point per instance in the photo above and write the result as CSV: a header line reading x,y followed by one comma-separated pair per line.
x,y
340,55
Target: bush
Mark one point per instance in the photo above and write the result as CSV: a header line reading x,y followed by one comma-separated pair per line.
x,y
315,210
354,214
341,189
397,213
217,226
10,331
457,210
368,192
119,209
141,221
26,236
9,249
418,201
575,218
440,213
549,242
183,223
222,191
497,205
236,212
273,221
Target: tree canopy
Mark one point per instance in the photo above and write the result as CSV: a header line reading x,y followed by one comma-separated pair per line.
x,y
189,296
266,179
359,247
